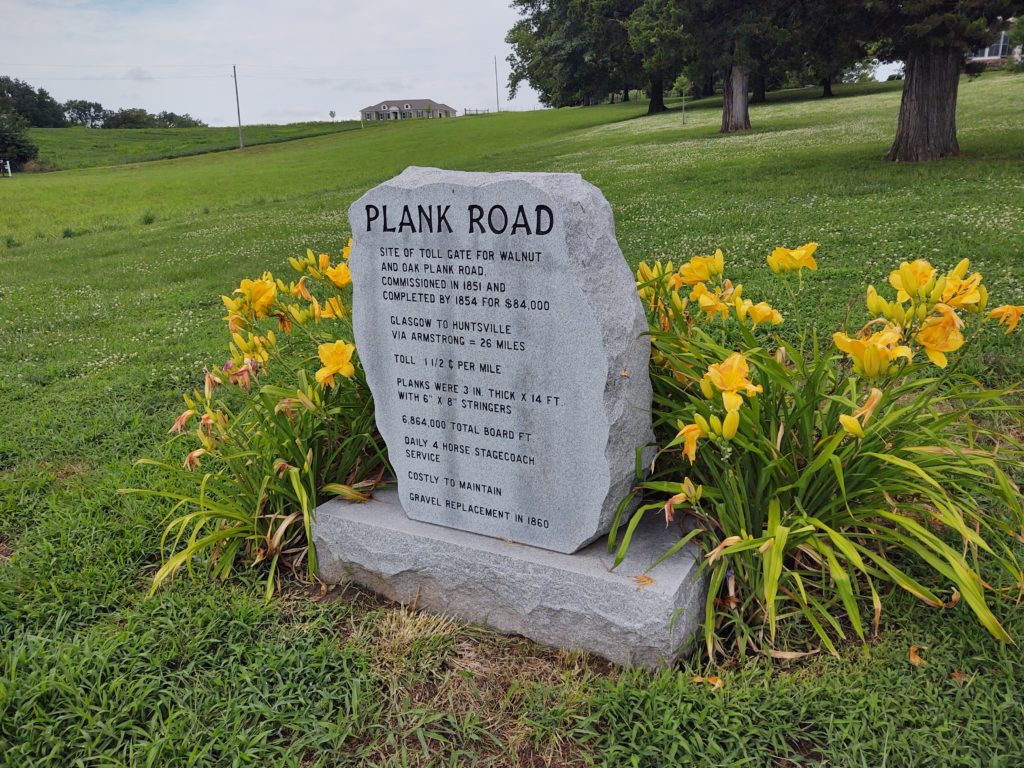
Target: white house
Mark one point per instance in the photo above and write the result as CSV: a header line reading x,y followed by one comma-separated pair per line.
x,y
407,109
998,52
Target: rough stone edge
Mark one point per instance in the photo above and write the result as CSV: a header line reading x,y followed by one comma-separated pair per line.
x,y
535,596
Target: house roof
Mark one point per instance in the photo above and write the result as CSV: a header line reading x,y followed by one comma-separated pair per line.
x,y
406,104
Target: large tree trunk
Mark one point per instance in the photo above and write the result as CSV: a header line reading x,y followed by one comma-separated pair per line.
x,y
826,88
927,123
708,88
759,86
657,94
735,115
625,93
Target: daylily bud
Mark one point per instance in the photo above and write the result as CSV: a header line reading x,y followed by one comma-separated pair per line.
x,y
921,312
701,422
961,269
730,425
897,313
716,425
874,301
926,289
707,389
940,288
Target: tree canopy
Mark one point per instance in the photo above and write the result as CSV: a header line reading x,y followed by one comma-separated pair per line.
x,y
576,52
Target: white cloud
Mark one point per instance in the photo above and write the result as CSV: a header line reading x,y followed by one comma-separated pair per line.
x,y
296,60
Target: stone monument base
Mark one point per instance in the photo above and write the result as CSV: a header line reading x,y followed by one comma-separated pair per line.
x,y
567,601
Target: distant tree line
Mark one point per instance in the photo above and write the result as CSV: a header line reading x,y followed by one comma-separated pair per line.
x,y
38,109
580,52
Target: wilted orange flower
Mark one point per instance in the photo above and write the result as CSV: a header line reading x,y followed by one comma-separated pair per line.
x,y
1009,315
181,422
690,434
192,460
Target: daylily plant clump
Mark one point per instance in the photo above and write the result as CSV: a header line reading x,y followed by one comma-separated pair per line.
x,y
284,422
802,467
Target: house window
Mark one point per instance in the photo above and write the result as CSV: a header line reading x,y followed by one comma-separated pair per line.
x,y
368,115
419,113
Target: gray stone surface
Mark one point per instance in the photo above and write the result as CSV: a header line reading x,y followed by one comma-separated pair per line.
x,y
508,368
567,601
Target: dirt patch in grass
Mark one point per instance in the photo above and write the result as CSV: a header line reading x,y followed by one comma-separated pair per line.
x,y
461,689
5,550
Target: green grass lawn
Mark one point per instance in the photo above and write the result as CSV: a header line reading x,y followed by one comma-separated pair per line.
x,y
64,148
109,286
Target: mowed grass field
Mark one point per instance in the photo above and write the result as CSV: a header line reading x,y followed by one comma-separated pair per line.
x,y
109,286
64,148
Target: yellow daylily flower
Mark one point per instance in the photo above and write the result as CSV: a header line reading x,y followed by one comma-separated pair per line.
x,y
762,312
347,250
730,377
258,296
962,292
793,259
700,269
877,354
910,278
340,276
336,357
333,309
941,334
1008,314
710,302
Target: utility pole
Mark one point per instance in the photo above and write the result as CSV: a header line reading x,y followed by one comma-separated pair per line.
x,y
497,98
238,108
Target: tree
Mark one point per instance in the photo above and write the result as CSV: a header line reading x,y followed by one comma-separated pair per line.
x,y
130,118
658,33
91,114
37,108
621,63
739,37
172,120
15,145
332,113
834,35
554,50
932,37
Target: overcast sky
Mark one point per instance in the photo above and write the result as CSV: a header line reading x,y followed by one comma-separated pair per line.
x,y
297,59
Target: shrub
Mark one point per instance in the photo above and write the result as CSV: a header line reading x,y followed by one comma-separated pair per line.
x,y
15,144
285,423
810,473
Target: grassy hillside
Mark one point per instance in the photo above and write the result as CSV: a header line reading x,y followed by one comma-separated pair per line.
x,y
109,285
66,148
